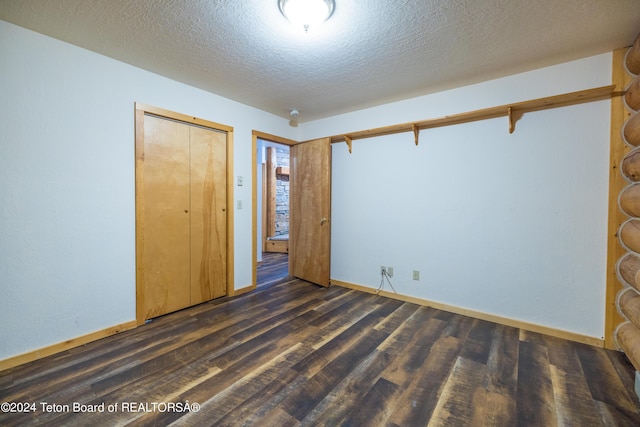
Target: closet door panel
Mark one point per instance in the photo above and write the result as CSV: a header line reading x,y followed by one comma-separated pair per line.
x,y
165,207
208,214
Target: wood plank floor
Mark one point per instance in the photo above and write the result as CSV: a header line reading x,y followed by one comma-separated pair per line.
x,y
273,267
292,353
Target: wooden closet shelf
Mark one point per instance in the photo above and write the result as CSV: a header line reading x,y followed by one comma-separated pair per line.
x,y
513,111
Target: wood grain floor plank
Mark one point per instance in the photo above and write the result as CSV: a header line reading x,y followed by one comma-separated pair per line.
x,y
332,315
343,319
407,331
347,394
569,383
227,406
346,298
463,397
418,370
277,417
478,343
610,416
420,397
403,371
256,409
605,384
334,344
392,323
501,379
535,401
353,347
533,338
253,409
457,326
374,407
624,368
323,382
273,268
573,399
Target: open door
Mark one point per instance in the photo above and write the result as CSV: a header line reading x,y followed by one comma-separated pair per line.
x,y
310,211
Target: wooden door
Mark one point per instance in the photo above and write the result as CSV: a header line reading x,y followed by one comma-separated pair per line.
x,y
163,213
208,214
310,211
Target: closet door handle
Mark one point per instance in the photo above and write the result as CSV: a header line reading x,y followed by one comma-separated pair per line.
x,y
323,220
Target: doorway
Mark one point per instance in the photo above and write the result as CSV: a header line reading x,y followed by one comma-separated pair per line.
x,y
310,208
262,141
273,159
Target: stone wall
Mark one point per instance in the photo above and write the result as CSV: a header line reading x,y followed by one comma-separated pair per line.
x,y
282,192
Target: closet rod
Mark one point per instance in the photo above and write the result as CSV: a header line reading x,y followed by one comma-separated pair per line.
x,y
513,111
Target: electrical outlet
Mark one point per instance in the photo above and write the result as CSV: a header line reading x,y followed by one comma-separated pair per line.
x,y
383,270
390,271
416,275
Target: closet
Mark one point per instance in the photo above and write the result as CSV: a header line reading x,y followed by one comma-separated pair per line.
x,y
181,213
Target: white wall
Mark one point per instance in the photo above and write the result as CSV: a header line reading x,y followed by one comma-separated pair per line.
x,y
67,204
512,225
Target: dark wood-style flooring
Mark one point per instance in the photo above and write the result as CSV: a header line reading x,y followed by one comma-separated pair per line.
x,y
292,353
274,267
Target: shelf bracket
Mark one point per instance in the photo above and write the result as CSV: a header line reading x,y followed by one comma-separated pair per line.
x,y
416,133
349,142
512,122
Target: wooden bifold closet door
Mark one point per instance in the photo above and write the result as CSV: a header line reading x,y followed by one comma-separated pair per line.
x,y
181,215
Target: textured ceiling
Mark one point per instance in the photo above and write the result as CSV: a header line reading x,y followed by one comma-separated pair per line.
x,y
370,52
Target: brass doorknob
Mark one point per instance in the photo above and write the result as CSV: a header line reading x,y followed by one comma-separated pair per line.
x,y
323,220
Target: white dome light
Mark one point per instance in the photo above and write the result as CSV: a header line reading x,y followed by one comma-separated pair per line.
x,y
306,13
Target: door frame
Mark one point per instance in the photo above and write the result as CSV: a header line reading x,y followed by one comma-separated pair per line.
x,y
255,135
140,111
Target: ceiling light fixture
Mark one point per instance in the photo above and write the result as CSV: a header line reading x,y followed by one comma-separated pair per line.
x,y
306,13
